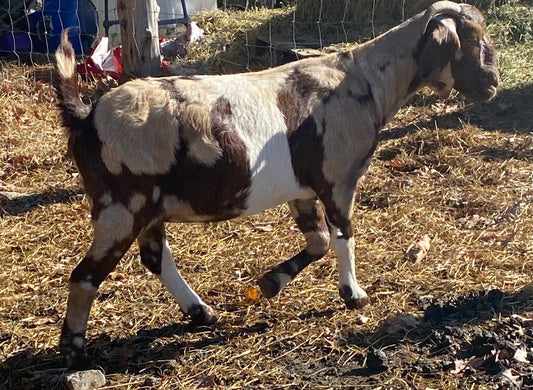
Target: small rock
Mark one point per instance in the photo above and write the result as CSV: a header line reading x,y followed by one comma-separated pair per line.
x,y
401,322
85,380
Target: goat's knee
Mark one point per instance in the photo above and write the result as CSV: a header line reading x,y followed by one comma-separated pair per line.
x,y
311,221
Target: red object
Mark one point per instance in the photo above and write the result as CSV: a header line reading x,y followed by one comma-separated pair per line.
x,y
102,63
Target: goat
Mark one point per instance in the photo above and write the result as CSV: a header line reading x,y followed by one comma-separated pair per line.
x,y
211,148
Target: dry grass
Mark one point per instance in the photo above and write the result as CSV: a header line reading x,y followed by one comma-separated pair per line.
x,y
461,174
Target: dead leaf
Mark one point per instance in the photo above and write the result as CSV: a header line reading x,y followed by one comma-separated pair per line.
x,y
419,249
253,294
474,221
361,319
473,362
460,366
396,165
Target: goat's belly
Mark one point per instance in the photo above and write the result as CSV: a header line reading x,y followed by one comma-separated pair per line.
x,y
272,188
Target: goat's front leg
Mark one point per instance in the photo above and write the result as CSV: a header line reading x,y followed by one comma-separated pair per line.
x,y
157,257
310,219
338,205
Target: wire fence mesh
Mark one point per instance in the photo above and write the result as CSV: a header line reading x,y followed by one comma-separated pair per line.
x,y
30,29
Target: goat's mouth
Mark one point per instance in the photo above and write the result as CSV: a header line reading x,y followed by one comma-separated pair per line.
x,y
482,95
491,91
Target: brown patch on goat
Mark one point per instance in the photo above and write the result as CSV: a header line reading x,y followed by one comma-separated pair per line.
x,y
194,120
363,99
308,144
307,154
219,190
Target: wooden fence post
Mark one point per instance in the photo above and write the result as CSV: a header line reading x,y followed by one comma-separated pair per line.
x,y
140,38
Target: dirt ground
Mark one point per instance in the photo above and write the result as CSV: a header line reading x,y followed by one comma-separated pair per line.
x,y
456,175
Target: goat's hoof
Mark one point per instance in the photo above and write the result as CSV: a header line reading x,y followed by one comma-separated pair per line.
x,y
271,283
202,315
75,358
72,348
352,300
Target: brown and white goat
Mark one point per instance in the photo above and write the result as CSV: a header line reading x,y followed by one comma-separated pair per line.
x,y
211,148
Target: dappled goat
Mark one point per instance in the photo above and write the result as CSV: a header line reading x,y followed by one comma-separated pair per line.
x,y
211,148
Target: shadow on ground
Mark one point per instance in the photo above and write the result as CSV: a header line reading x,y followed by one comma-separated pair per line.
x,y
444,334
511,111
16,204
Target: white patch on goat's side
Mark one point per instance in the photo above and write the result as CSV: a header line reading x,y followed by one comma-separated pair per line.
x,y
260,124
156,193
115,223
137,125
196,125
137,201
204,152
174,282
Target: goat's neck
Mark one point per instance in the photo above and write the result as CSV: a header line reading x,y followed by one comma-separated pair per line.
x,y
387,63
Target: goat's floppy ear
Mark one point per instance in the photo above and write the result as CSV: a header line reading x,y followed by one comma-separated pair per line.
x,y
439,46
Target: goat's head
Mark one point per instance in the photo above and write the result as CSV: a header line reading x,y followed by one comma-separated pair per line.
x,y
456,52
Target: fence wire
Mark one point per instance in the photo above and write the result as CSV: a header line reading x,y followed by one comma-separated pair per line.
x,y
30,29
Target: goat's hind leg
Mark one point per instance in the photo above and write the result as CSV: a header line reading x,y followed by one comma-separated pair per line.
x,y
156,256
108,247
310,219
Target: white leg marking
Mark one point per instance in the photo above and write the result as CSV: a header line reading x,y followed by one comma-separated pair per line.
x,y
175,284
346,265
79,304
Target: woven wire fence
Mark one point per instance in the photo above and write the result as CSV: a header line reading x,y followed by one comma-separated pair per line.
x,y
30,29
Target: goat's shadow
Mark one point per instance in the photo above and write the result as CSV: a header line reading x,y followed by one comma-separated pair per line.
x,y
15,204
45,369
140,352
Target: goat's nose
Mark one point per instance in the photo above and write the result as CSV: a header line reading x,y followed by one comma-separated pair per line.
x,y
491,78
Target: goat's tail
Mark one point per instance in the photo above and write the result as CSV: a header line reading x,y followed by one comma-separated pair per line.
x,y
72,107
